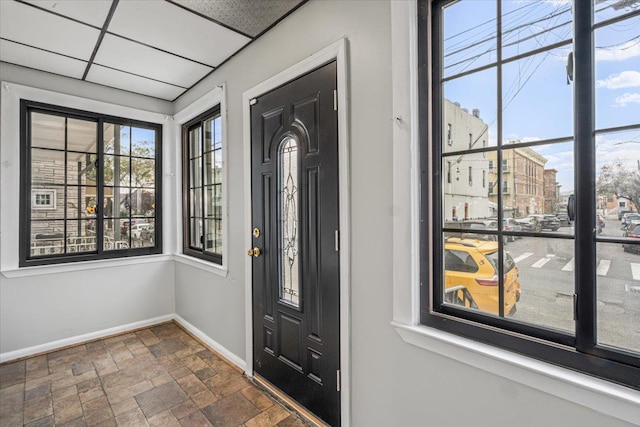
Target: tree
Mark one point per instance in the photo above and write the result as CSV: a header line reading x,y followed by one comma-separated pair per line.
x,y
620,180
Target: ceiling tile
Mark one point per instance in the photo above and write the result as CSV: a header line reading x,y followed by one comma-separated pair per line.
x,y
92,12
116,52
163,25
41,60
251,17
120,80
25,24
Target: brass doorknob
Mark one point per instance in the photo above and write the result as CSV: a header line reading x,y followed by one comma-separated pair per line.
x,y
255,252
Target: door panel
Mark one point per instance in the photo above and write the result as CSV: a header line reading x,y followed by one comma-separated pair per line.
x,y
294,159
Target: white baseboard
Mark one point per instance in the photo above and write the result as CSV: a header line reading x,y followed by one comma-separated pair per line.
x,y
211,343
78,339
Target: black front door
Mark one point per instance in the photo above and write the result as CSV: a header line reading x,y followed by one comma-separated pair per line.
x,y
296,276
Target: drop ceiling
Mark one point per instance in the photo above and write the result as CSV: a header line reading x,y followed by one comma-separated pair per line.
x,y
157,48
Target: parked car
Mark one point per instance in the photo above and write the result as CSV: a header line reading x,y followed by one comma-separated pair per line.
x,y
528,224
138,229
626,220
475,227
510,224
563,217
547,222
632,232
622,213
474,265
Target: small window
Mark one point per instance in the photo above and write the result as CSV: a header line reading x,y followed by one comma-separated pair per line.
x,y
449,136
470,176
94,183
202,167
484,179
43,199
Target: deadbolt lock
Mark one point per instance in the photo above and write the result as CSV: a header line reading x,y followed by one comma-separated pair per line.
x,y
255,252
256,232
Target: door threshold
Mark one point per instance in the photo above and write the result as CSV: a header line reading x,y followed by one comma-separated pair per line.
x,y
288,401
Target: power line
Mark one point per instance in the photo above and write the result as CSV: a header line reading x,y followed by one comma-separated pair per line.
x,y
550,16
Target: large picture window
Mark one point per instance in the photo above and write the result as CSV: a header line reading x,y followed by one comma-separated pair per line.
x,y
90,186
552,89
202,186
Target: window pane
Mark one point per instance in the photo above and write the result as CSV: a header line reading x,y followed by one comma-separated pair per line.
x,y
47,166
195,239
618,290
47,238
617,74
82,136
469,119
143,202
47,131
546,273
143,172
117,139
289,217
81,168
464,196
217,133
469,43
196,202
217,166
143,142
213,233
81,202
117,202
209,160
79,238
617,171
531,25
208,130
195,148
528,85
143,233
537,182
213,201
116,170
116,233
471,273
195,172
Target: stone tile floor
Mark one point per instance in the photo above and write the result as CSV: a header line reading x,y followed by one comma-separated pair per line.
x,y
158,376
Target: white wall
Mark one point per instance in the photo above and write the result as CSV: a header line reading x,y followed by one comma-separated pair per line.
x,y
393,383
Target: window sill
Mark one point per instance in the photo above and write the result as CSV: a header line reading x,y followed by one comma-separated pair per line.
x,y
82,265
599,395
207,266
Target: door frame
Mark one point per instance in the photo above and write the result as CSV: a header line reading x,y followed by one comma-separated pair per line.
x,y
334,52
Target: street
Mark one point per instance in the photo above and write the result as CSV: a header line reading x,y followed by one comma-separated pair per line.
x,y
546,274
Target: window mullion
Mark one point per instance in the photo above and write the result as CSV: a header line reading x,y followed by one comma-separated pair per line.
x,y
100,188
499,155
584,122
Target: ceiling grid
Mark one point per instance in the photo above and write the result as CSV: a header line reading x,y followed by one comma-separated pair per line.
x,y
157,48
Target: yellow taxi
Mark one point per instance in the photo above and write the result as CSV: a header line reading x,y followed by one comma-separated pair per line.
x,y
472,265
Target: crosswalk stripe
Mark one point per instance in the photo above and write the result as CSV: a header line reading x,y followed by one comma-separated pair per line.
x,y
523,256
603,267
541,262
635,271
570,265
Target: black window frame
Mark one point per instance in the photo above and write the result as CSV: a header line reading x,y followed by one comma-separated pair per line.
x,y
187,249
580,352
24,247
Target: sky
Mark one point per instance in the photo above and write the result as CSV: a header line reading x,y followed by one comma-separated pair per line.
x,y
537,101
